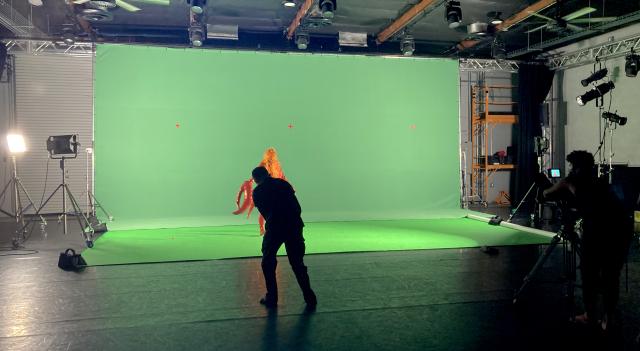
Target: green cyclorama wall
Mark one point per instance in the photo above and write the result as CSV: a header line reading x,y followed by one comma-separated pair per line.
x,y
178,130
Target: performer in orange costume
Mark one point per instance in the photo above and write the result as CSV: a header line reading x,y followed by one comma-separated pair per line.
x,y
272,164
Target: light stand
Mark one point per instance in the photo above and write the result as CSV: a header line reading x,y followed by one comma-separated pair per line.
x,y
541,145
92,202
65,147
16,185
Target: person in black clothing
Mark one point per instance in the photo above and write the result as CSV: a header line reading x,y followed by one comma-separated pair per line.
x,y
606,233
277,202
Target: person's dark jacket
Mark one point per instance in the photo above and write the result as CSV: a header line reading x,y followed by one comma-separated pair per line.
x,y
277,202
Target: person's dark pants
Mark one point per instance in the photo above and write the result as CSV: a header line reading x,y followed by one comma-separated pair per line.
x,y
600,265
294,243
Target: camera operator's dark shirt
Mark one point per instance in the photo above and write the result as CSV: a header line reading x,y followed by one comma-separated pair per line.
x,y
277,202
605,221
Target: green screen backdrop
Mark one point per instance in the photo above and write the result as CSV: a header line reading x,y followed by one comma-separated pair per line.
x,y
178,130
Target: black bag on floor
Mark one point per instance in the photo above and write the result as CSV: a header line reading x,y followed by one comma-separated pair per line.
x,y
71,261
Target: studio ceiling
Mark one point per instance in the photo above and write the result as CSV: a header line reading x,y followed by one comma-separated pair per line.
x,y
262,24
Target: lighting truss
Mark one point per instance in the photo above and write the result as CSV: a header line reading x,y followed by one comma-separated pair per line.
x,y
589,55
36,47
480,65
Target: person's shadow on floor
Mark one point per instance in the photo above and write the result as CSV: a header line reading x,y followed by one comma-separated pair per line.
x,y
275,337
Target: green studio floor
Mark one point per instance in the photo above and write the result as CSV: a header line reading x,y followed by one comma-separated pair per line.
x,y
207,243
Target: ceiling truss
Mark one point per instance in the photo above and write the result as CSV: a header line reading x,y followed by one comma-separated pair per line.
x,y
478,65
600,52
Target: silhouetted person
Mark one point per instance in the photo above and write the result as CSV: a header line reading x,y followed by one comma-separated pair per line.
x,y
277,202
606,233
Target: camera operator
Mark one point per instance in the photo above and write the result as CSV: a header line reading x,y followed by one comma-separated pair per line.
x,y
606,233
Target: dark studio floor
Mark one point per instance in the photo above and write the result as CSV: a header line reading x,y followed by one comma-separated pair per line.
x,y
408,300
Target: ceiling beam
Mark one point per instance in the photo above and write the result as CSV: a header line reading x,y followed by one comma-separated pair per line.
x,y
407,17
511,21
302,12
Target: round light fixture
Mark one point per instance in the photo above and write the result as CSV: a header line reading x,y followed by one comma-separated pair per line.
x,y
289,3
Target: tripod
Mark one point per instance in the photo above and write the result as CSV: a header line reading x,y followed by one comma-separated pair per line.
x,y
540,145
92,202
83,221
16,184
567,234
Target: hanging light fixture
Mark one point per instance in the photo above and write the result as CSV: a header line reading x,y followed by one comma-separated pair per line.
x,y
197,6
328,7
453,14
302,40
407,45
631,64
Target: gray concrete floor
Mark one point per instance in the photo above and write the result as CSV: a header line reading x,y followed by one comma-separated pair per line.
x,y
410,300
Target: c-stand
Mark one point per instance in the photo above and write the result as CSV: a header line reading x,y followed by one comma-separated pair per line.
x,y
568,235
541,145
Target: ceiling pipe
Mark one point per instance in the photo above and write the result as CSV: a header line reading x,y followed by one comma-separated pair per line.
x,y
302,12
407,17
510,22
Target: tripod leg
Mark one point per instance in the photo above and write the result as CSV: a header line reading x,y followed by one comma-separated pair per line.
x,y
93,197
5,188
521,202
541,260
45,203
80,216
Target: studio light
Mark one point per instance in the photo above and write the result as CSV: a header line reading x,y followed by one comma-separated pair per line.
x,y
197,6
16,143
595,76
328,7
631,65
196,35
63,145
407,45
302,40
614,118
595,93
289,3
453,14
494,17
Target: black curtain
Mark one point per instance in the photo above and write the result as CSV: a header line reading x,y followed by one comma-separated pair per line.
x,y
534,82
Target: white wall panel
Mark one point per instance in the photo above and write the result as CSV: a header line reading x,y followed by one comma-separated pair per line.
x,y
54,96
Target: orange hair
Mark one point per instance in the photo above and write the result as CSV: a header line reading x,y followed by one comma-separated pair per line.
x,y
272,164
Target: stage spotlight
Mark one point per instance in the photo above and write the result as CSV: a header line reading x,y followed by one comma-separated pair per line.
x,y
453,14
302,40
328,7
63,145
631,65
494,17
595,76
16,143
407,45
614,118
289,3
595,93
196,36
197,6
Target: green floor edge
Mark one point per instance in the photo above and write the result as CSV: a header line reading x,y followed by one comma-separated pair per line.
x,y
210,243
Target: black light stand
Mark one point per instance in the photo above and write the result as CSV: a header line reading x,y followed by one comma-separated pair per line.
x,y
541,145
18,210
63,147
